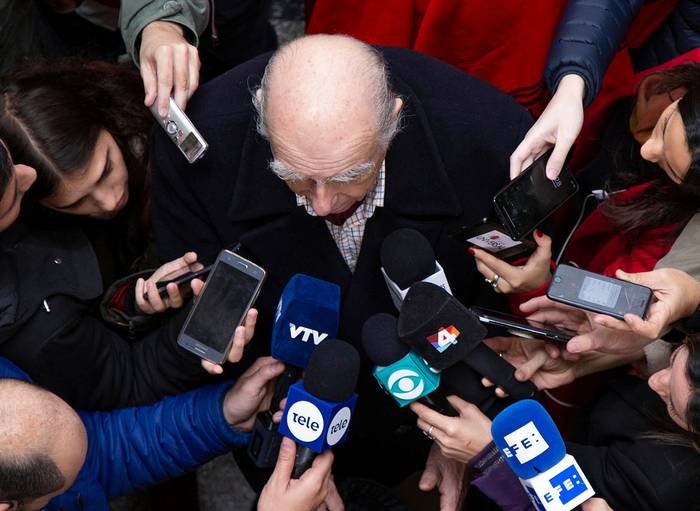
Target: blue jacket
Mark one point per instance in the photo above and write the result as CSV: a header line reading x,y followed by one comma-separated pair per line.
x,y
133,448
590,33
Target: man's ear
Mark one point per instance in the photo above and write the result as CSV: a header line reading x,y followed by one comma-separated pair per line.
x,y
398,105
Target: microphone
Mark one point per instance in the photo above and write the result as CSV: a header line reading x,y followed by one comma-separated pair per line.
x,y
443,331
319,408
407,257
530,443
307,314
400,372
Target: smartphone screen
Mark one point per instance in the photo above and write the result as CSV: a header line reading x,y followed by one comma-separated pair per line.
x,y
599,292
221,306
531,197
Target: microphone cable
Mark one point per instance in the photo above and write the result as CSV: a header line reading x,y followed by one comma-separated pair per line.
x,y
601,195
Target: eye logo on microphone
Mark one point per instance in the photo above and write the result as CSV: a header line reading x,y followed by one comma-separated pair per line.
x,y
444,338
405,384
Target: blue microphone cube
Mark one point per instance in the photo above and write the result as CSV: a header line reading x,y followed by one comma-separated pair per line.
x,y
307,314
407,379
563,487
313,422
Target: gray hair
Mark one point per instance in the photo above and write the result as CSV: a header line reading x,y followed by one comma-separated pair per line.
x,y
354,174
388,124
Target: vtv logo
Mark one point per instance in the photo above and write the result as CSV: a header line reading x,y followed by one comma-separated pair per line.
x,y
444,338
305,332
405,384
525,443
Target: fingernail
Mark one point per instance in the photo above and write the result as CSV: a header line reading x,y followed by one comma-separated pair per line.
x,y
472,251
573,346
538,233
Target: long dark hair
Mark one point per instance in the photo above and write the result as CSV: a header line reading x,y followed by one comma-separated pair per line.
x,y
666,203
51,114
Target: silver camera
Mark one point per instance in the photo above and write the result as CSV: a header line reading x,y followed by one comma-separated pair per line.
x,y
181,131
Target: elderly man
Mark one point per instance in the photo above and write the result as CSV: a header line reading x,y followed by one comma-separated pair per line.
x,y
341,145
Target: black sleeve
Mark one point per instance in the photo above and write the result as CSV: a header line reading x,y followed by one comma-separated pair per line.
x,y
93,367
586,41
642,475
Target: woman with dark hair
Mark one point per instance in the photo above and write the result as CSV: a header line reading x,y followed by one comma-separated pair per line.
x,y
640,448
636,226
83,128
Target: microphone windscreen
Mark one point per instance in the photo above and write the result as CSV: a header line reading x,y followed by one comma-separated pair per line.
x,y
464,382
407,257
528,438
381,340
332,371
437,327
307,314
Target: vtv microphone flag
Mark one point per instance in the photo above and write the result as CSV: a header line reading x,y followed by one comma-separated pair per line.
x,y
531,444
307,313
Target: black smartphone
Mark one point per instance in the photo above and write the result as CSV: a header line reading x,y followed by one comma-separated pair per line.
x,y
493,238
523,327
529,199
598,293
231,289
182,281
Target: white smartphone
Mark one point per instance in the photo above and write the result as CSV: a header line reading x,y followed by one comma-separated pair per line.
x,y
230,290
181,131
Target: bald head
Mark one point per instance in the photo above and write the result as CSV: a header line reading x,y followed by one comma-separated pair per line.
x,y
324,86
42,442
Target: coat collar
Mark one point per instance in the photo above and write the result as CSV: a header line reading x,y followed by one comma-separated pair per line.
x,y
417,184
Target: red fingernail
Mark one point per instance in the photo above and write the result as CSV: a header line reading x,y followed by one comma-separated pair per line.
x,y
538,233
472,251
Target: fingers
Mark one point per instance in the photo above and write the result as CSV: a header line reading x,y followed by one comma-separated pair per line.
x,y
558,157
494,264
527,369
250,321
164,77
285,463
582,343
180,75
430,478
430,416
542,302
333,500
150,84
211,367
235,354
528,151
544,247
194,65
197,285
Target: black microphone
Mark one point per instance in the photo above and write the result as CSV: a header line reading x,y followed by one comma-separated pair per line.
x,y
407,257
319,409
400,372
443,331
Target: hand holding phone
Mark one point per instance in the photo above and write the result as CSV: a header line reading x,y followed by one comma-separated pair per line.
x,y
156,294
508,278
181,131
529,199
598,293
213,326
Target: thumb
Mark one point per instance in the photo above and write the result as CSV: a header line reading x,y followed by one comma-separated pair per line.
x,y
644,278
558,157
430,478
285,461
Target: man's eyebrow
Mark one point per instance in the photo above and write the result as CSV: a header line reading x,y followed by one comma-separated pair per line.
x,y
354,173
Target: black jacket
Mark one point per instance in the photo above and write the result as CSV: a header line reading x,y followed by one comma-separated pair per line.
x,y
626,467
445,165
590,33
50,286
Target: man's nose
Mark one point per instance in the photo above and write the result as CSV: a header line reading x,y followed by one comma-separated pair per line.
x,y
322,200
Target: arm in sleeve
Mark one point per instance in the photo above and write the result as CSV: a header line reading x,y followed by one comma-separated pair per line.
x,y
133,448
587,38
135,15
93,367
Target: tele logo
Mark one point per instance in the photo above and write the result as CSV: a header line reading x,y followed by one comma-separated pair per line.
x,y
525,443
338,426
305,421
405,384
295,331
444,338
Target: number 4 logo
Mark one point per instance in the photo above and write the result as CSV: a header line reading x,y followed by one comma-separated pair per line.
x,y
444,338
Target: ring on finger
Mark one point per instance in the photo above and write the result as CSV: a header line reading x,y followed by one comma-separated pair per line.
x,y
494,281
429,432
